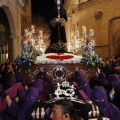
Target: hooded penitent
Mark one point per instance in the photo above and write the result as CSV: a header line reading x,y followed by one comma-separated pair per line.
x,y
78,74
115,80
26,109
83,84
38,84
102,76
107,109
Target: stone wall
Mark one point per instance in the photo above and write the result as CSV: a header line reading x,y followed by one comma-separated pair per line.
x,y
14,10
101,15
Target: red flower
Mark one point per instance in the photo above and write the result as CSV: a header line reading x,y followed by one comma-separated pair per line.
x,y
60,57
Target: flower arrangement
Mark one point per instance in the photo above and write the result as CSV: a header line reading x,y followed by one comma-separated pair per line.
x,y
26,59
91,59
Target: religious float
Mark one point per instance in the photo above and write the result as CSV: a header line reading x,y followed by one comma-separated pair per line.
x,y
58,66
56,61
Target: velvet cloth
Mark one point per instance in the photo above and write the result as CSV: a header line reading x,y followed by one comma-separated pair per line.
x,y
82,95
107,109
75,85
12,93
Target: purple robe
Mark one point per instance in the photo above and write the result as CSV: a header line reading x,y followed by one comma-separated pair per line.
x,y
102,80
38,84
22,96
11,80
12,93
102,76
18,76
42,75
107,109
47,91
83,84
115,80
12,111
26,109
78,74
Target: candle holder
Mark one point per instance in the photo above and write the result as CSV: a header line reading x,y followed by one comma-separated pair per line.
x,y
34,40
79,42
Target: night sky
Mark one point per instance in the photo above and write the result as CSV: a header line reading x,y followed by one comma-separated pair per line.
x,y
42,7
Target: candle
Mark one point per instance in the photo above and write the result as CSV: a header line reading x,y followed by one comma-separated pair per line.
x,y
91,32
58,2
84,29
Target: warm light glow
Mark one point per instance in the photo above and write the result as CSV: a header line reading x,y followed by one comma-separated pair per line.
x,y
79,42
35,41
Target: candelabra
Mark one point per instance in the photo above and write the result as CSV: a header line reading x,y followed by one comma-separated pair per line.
x,y
79,42
34,40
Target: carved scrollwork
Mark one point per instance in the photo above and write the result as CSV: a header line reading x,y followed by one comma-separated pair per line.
x,y
59,73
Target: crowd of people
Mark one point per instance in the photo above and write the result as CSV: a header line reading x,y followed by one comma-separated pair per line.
x,y
103,90
20,106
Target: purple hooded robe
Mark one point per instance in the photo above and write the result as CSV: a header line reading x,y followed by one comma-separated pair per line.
x,y
31,97
83,84
115,80
107,109
78,74
26,109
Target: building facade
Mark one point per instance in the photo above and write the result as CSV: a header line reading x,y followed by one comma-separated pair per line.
x,y
15,15
101,15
